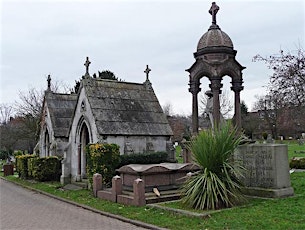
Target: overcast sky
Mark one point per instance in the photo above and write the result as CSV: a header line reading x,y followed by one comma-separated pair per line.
x,y
55,37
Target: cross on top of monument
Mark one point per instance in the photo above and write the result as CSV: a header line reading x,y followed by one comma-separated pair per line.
x,y
87,63
213,11
49,82
147,70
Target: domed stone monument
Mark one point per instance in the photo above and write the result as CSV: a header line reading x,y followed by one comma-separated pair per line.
x,y
214,59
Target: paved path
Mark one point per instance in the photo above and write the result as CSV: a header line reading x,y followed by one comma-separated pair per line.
x,y
24,209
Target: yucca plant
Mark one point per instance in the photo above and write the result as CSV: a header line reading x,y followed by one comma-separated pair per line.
x,y
216,185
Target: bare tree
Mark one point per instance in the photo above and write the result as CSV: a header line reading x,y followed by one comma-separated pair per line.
x,y
6,112
30,102
288,78
287,84
168,109
271,107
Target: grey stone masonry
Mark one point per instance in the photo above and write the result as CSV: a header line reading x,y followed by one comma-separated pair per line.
x,y
266,169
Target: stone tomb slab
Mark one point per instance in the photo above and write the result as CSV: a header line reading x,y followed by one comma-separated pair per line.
x,y
163,176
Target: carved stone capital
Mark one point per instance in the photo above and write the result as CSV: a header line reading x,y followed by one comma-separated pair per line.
x,y
194,87
237,86
215,84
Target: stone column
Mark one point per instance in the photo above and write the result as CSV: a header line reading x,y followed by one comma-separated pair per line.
x,y
237,87
194,89
215,87
139,192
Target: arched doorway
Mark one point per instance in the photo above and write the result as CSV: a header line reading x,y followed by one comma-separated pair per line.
x,y
47,143
83,142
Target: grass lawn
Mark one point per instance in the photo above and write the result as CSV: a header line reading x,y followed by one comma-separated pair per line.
x,y
178,151
292,147
285,213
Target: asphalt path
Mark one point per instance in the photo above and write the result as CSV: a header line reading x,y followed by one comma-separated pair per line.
x,y
21,208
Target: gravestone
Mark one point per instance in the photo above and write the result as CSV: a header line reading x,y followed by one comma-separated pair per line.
x,y
269,139
266,169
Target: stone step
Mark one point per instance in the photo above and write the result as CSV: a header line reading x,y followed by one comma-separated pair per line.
x,y
162,198
151,197
167,195
84,183
163,193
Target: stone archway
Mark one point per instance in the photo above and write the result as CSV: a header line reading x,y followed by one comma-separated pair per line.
x,y
84,140
215,58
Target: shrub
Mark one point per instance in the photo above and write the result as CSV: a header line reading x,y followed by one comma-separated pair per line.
x,y
297,163
264,135
216,185
17,153
143,158
22,165
45,168
103,159
4,154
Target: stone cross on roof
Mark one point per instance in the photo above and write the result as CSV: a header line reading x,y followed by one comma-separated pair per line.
x,y
213,11
87,63
49,82
147,72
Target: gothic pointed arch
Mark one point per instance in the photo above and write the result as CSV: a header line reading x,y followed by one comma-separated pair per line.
x,y
46,142
83,138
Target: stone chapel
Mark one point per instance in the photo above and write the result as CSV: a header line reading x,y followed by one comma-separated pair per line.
x,y
110,111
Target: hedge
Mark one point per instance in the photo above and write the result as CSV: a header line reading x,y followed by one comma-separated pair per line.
x,y
45,168
143,158
103,159
41,169
22,165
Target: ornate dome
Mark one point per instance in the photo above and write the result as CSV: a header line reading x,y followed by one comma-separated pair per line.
x,y
214,38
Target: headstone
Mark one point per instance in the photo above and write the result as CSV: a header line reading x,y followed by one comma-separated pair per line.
x,y
8,169
170,149
269,139
266,169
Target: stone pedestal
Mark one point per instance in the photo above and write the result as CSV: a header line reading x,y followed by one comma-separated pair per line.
x,y
97,183
139,192
186,153
117,187
266,169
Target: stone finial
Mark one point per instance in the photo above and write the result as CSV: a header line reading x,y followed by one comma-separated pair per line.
x,y
87,63
49,82
213,11
147,70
